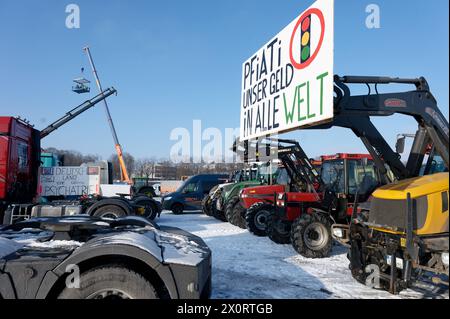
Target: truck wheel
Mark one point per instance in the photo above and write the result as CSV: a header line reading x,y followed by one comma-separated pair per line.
x,y
311,235
150,208
206,205
111,282
256,218
109,211
234,212
278,230
177,208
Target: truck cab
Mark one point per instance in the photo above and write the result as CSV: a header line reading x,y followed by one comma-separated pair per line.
x,y
19,161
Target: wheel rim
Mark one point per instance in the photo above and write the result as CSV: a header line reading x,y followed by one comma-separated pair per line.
x,y
148,210
261,219
315,236
111,294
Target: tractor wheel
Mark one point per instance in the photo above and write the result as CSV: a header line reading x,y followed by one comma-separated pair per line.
x,y
177,208
148,191
217,214
311,235
278,230
150,207
109,211
111,282
256,218
235,212
206,205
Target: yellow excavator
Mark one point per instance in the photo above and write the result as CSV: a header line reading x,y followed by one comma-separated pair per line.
x,y
401,234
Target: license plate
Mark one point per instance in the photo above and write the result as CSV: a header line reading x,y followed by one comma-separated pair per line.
x,y
398,261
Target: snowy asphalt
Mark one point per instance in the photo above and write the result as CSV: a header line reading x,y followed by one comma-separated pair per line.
x,y
250,267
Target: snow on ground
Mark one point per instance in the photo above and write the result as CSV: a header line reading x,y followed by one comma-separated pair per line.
x,y
246,266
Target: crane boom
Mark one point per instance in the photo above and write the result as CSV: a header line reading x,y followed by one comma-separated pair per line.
x,y
77,111
123,168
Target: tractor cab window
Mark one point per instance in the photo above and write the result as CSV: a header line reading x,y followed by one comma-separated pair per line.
x,y
283,177
435,164
238,177
362,177
266,172
333,175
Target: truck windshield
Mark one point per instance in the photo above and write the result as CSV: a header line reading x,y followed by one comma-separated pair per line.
x,y
184,184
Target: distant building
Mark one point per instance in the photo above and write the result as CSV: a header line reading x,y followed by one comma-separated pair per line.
x,y
163,171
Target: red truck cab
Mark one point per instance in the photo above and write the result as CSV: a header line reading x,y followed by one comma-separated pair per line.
x,y
19,161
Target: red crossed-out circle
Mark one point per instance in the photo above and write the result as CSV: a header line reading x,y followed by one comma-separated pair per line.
x,y
319,14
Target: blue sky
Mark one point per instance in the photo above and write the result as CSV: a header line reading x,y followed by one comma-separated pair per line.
x,y
175,61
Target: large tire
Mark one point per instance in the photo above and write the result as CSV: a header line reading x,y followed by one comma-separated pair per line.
x,y
234,212
110,211
206,205
150,207
256,218
147,191
177,208
278,230
217,214
111,282
311,235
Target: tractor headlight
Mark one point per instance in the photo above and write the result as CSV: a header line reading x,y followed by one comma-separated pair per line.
x,y
444,257
337,232
280,203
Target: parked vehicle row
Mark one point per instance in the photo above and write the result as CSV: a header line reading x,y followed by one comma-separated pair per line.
x,y
392,215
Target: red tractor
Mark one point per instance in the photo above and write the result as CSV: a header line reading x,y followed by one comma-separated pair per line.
x,y
255,200
305,219
313,196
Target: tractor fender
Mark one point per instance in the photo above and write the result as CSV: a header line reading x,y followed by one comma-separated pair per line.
x,y
121,202
132,245
324,213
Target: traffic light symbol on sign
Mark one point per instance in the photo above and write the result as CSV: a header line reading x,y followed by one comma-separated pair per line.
x,y
305,39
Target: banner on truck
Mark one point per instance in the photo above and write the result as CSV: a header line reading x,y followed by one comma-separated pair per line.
x,y
288,83
69,180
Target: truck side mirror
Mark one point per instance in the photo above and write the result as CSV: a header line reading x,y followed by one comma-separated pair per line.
x,y
400,145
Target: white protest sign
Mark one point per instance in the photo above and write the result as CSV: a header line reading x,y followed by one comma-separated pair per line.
x,y
69,180
288,83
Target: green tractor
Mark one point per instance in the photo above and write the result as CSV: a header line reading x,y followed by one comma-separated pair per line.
x,y
227,206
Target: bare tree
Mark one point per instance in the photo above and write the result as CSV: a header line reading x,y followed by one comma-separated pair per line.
x,y
129,163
